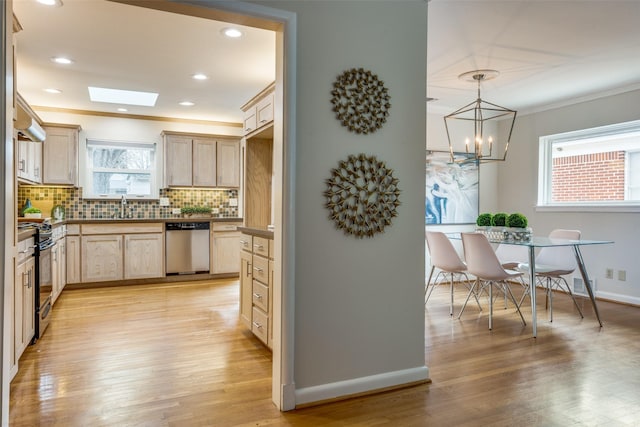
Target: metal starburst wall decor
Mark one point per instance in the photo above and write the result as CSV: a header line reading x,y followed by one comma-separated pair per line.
x,y
362,196
360,101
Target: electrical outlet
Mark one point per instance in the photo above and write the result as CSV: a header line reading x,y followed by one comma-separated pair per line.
x,y
609,273
164,201
175,211
233,202
622,275
215,210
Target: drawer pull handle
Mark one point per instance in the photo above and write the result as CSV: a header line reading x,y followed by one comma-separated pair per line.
x,y
257,325
258,247
248,270
257,296
258,269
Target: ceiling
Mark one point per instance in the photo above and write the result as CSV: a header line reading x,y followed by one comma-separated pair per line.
x,y
547,53
120,46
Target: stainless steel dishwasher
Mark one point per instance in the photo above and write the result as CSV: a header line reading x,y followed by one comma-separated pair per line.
x,y
187,247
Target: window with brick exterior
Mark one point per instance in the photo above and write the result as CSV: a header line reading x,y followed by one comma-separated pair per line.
x,y
597,166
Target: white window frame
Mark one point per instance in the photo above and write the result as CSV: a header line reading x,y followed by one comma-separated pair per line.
x,y
154,193
545,166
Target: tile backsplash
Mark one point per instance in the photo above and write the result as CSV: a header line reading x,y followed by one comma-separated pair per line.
x,y
76,207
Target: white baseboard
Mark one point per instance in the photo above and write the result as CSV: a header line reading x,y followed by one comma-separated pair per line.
x,y
610,296
360,385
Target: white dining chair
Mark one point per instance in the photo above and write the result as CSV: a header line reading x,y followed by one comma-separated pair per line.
x,y
483,263
445,258
552,264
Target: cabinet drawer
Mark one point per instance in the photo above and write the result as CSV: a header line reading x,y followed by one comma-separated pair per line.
x,y
246,242
73,229
261,269
261,246
225,226
260,324
261,295
120,228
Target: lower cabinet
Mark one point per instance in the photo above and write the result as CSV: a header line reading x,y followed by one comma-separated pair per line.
x,y
143,256
225,257
23,301
72,244
256,287
58,269
135,255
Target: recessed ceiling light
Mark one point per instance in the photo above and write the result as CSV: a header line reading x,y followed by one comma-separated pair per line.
x,y
122,110
50,2
62,60
52,90
233,33
187,104
126,97
199,76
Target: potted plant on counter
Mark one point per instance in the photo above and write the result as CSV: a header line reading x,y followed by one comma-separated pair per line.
x,y
196,211
32,212
517,227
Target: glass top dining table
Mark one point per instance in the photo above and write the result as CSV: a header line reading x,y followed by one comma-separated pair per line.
x,y
542,242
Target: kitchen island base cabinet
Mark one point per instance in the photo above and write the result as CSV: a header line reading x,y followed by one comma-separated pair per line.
x,y
246,282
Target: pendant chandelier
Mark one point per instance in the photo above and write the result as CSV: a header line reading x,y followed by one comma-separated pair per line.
x,y
472,130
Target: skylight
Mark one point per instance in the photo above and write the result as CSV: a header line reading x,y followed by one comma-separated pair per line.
x,y
118,96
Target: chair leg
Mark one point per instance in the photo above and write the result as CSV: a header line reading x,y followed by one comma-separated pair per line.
x,y
490,305
471,292
508,289
451,295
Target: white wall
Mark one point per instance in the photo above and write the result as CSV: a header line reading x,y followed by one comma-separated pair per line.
x,y
517,191
359,319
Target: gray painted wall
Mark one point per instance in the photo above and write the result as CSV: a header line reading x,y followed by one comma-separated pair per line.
x,y
358,302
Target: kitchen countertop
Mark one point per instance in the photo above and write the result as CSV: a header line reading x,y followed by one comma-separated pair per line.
x,y
257,231
142,220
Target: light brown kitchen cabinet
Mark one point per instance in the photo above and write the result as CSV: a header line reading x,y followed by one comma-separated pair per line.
x,y
60,154
145,255
258,112
121,251
23,300
225,257
102,257
256,306
195,160
246,279
72,246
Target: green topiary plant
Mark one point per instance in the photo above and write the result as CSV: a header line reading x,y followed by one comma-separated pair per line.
x,y
484,220
499,219
517,220
191,210
32,210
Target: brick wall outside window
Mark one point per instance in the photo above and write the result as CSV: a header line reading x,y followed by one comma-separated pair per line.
x,y
588,177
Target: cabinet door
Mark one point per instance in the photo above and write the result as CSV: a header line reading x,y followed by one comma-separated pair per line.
x,y
250,120
28,303
22,168
228,164
143,256
60,156
264,111
204,162
36,162
178,160
23,309
55,272
102,258
226,257
73,259
246,287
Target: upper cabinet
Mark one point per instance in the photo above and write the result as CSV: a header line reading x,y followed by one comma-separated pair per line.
x,y
258,112
60,155
193,160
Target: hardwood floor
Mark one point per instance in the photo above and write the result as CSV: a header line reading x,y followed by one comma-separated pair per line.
x,y
175,355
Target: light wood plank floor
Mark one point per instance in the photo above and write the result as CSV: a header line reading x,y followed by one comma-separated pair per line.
x,y
175,355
